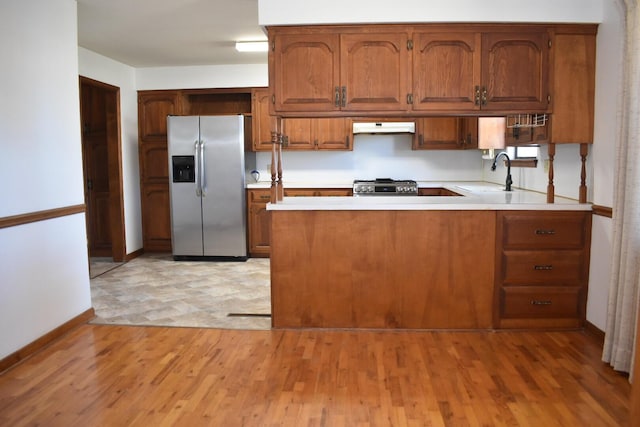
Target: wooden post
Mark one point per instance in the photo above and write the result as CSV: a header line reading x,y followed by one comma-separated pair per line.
x,y
550,187
280,185
274,147
584,151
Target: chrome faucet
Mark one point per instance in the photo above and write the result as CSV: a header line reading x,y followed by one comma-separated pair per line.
x,y
493,168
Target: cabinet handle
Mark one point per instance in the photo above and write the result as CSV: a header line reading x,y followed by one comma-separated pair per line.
x,y
543,267
420,140
484,95
545,232
476,95
409,98
285,141
344,96
540,302
337,97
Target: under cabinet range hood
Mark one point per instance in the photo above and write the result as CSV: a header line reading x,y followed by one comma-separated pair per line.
x,y
383,127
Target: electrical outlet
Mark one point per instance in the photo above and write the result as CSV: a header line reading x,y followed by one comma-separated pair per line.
x,y
269,167
546,165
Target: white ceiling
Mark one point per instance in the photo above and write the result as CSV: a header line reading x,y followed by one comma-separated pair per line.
x,y
159,33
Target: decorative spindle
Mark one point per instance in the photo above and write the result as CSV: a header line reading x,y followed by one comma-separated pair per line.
x,y
550,187
280,185
584,151
274,146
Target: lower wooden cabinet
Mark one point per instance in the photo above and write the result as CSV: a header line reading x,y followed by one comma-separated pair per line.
x,y
542,269
446,133
259,220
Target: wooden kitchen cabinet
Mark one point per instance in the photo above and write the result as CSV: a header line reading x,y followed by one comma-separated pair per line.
x,y
326,70
317,133
446,133
374,71
542,268
259,218
335,70
304,70
261,119
153,109
573,87
446,70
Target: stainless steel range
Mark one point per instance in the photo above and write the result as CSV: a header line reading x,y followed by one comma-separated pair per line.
x,y
385,187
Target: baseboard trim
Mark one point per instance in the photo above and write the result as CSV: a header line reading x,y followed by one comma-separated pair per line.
x,y
30,349
594,331
134,254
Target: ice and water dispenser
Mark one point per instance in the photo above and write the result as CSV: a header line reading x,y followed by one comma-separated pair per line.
x,y
183,168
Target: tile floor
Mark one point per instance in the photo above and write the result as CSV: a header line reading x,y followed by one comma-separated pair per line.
x,y
156,290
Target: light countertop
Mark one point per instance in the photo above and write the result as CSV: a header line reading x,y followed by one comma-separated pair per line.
x,y
473,196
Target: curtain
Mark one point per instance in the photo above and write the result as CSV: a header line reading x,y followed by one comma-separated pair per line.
x,y
624,291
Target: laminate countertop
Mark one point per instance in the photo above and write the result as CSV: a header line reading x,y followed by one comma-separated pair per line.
x,y
475,195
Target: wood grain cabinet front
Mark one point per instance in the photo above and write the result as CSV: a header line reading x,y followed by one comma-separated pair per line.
x,y
446,133
542,269
259,218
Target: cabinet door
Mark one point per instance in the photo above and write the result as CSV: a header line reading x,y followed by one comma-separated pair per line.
x,y
259,224
332,134
374,71
297,134
304,71
435,133
156,220
153,109
515,71
261,123
446,70
573,87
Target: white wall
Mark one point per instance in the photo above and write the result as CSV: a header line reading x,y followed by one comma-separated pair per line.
x,y
203,76
44,275
106,70
295,12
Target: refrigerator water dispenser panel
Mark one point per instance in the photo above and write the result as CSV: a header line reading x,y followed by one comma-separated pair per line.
x,y
183,168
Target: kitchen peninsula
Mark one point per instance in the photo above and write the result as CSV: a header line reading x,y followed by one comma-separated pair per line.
x,y
484,259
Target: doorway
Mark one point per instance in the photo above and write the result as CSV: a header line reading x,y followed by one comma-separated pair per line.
x,y
102,169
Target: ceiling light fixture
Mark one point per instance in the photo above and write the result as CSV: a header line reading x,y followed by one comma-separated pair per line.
x,y
252,46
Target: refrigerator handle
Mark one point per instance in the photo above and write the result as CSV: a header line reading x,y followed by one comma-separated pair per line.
x,y
203,177
197,167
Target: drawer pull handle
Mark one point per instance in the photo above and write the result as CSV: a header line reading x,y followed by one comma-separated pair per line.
x,y
545,232
543,267
540,302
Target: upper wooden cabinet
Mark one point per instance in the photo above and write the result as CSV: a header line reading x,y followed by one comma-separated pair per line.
x,y
304,71
573,88
261,119
328,71
446,71
317,133
446,133
374,71
338,70
514,72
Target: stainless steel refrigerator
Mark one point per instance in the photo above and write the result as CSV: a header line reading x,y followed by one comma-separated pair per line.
x,y
207,169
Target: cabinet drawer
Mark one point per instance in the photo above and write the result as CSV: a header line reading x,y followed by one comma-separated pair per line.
x,y
543,267
548,230
540,302
259,196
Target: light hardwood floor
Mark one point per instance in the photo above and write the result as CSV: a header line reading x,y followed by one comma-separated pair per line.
x,y
105,375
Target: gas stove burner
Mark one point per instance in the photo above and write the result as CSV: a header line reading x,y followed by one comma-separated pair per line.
x,y
385,187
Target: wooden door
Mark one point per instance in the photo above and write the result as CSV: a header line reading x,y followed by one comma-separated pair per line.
x,y
304,71
261,119
153,109
435,133
374,71
515,71
96,171
297,134
332,134
446,70
102,168
259,226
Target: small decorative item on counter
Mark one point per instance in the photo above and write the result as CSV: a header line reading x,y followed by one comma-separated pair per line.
x,y
256,175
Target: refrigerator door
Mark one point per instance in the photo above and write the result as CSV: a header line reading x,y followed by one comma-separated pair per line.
x,y
223,186
186,207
